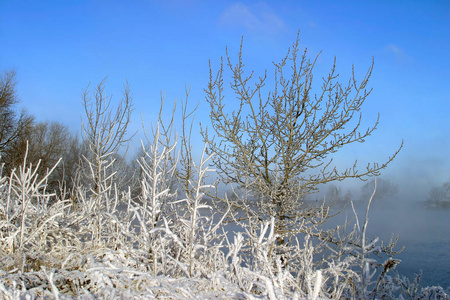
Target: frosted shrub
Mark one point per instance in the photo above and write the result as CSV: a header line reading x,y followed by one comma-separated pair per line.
x,y
253,268
367,276
292,274
192,229
28,222
354,267
153,200
433,293
173,242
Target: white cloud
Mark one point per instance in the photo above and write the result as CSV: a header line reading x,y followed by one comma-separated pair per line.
x,y
397,51
393,48
255,19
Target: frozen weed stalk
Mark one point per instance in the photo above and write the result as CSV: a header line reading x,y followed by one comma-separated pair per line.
x,y
366,255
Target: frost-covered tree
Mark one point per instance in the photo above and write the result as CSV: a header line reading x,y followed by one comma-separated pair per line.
x,y
279,144
104,131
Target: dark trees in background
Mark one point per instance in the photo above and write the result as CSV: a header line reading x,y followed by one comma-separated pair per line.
x,y
278,145
12,124
439,197
46,143
43,142
335,194
386,189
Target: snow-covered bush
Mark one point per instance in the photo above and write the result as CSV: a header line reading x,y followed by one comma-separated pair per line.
x,y
28,220
102,242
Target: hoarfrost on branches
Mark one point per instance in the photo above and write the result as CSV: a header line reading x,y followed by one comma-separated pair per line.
x,y
176,242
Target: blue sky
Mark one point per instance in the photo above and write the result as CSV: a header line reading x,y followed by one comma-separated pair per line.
x,y
58,47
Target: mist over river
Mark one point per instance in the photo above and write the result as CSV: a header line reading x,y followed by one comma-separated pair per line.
x,y
425,233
